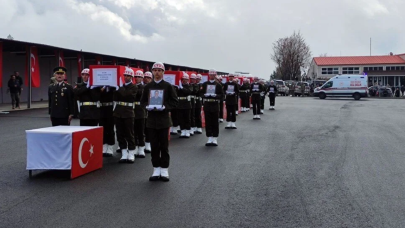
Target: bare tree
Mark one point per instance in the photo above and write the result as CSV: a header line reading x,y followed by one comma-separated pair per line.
x,y
10,37
291,54
323,55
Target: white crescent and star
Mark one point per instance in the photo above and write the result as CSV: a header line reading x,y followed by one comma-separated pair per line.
x,y
83,165
33,57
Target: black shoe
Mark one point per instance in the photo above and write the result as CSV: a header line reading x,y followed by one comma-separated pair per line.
x,y
130,161
140,156
164,179
118,151
197,132
154,178
107,155
123,161
173,133
147,151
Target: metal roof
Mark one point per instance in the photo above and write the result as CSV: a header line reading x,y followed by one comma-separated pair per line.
x,y
359,60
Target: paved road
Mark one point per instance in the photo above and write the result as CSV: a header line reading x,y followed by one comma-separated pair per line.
x,y
310,163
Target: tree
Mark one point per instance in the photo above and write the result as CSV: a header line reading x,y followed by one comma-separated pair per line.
x,y
10,37
291,54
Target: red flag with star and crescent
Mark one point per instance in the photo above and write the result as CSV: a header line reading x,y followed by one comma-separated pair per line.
x,y
35,76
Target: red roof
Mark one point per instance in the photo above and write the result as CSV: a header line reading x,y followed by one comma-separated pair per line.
x,y
359,60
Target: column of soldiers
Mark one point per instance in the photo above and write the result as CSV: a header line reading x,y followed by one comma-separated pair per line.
x,y
142,121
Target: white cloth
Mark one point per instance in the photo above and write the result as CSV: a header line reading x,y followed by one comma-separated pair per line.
x,y
51,147
157,82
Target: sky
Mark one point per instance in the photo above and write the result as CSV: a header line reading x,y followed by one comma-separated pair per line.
x,y
226,35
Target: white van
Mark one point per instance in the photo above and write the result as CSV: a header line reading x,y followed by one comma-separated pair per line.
x,y
344,86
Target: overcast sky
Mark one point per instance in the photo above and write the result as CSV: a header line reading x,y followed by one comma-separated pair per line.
x,y
227,35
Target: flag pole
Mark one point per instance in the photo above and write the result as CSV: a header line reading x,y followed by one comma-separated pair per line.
x,y
29,78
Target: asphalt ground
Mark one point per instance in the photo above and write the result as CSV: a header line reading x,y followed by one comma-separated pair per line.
x,y
309,163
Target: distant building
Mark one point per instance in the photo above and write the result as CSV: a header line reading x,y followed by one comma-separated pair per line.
x,y
382,70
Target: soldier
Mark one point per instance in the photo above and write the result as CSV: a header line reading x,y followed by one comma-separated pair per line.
x,y
237,95
256,89
221,102
107,120
194,94
174,115
60,97
88,101
272,90
158,122
139,120
244,95
262,97
124,99
198,105
212,92
184,106
232,90
146,80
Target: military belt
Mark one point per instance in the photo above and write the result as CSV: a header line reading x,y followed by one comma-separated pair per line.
x,y
137,103
87,103
182,98
107,104
125,104
192,96
211,100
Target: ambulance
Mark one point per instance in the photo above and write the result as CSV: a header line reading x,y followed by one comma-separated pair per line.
x,y
344,86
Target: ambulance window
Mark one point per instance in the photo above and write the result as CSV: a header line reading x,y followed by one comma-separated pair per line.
x,y
328,84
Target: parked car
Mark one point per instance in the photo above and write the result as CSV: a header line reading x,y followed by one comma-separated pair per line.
x,y
298,91
281,87
384,91
372,90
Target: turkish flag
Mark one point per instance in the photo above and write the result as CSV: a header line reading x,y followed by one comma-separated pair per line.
x,y
35,76
98,60
1,64
61,59
87,151
79,65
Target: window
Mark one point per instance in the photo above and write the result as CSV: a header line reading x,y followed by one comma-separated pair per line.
x,y
368,69
351,70
328,85
392,68
330,70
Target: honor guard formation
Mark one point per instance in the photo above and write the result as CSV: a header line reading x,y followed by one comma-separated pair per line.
x,y
145,109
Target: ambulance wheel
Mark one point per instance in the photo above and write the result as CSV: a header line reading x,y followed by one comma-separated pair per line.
x,y
357,96
322,95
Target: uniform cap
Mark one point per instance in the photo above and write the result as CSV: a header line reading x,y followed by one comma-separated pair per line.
x,y
199,76
86,71
139,73
212,72
158,65
193,76
148,74
185,76
129,71
59,70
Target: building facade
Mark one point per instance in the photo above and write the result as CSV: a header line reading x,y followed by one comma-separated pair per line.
x,y
381,70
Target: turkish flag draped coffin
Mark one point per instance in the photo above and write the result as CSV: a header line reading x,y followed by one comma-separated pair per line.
x,y
173,77
35,76
1,64
108,75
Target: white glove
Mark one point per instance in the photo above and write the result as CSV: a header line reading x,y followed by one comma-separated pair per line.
x,y
213,95
92,87
149,108
117,87
161,108
206,94
180,85
88,85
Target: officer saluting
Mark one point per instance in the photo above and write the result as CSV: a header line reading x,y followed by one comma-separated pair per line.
x,y
124,99
88,101
60,97
212,93
158,122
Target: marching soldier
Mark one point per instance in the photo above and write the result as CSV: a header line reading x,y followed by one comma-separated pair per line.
x,y
124,99
107,120
139,120
60,97
231,90
88,101
174,115
146,80
212,92
272,90
262,97
244,95
194,94
256,89
158,122
184,106
198,105
221,102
